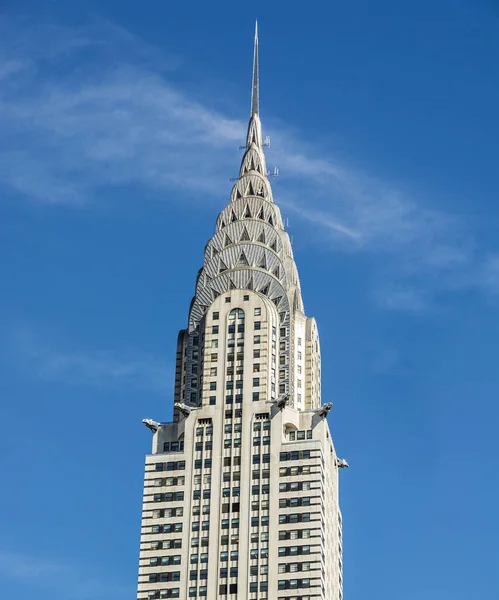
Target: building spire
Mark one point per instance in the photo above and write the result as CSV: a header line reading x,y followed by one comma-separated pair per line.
x,y
254,90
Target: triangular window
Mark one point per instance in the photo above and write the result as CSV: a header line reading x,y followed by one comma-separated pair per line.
x,y
233,217
261,214
273,245
227,241
222,267
265,290
261,237
243,260
249,285
231,285
271,220
215,294
247,213
277,272
276,301
263,263
245,236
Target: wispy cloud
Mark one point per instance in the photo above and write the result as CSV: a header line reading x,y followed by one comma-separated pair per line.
x,y
21,566
108,369
64,579
74,128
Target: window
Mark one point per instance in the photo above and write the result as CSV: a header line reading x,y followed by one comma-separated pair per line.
x,y
213,400
298,368
256,368
213,372
256,381
246,297
258,312
214,329
215,316
256,339
214,357
258,325
299,355
256,396
227,300
299,341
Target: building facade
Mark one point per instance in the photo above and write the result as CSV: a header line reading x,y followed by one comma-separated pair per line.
x,y
241,488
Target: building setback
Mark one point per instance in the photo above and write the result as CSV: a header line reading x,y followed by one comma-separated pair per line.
x,y
241,489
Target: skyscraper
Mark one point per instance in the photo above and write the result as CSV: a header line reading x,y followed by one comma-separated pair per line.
x,y
241,489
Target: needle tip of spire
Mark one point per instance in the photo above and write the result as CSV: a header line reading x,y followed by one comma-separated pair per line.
x,y
255,90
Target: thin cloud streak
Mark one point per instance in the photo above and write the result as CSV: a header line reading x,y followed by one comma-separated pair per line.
x,y
103,369
68,137
66,581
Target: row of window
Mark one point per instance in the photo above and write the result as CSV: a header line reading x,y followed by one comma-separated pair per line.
x,y
256,489
204,430
168,513
164,561
171,593
263,521
207,446
294,550
225,523
290,471
293,502
237,413
173,446
178,465
300,435
196,494
168,528
201,574
230,507
293,584
204,542
295,534
265,441
226,492
224,589
165,544
198,463
164,577
294,486
264,586
293,567
168,481
169,497
295,455
294,518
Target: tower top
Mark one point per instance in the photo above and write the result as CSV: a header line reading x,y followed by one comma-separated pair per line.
x,y
254,90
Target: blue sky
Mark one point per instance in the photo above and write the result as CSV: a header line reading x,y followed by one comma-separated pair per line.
x,y
119,130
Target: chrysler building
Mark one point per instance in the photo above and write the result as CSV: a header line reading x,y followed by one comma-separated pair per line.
x,y
241,487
